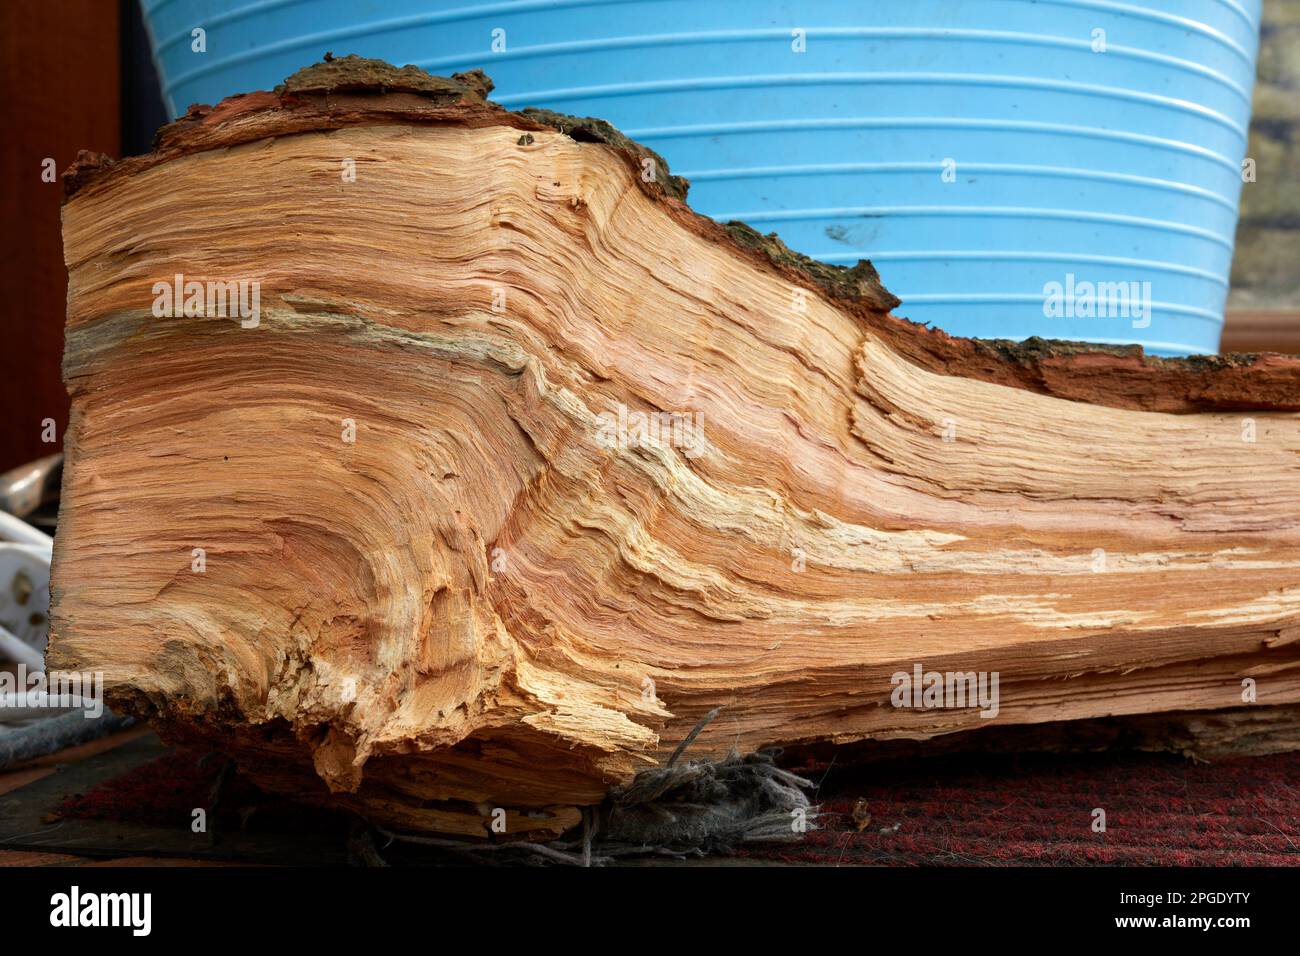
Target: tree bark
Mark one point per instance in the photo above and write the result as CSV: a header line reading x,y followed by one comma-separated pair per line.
x,y
524,467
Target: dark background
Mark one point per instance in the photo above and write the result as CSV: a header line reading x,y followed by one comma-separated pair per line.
x,y
74,74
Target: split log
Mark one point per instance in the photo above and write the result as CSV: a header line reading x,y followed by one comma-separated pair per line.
x,y
522,466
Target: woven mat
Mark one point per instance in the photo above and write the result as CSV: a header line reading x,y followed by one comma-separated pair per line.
x,y
1159,809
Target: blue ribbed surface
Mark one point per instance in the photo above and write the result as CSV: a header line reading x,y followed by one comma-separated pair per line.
x,y
1122,166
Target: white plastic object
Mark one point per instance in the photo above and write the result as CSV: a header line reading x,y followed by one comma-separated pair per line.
x,y
24,598
18,530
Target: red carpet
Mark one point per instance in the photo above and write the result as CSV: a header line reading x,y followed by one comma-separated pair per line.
x,y
1038,809
989,810
164,793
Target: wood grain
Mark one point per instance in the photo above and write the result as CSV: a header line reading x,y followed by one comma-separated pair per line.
x,y
481,602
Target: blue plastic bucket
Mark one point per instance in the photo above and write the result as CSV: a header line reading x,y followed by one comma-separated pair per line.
x,y
1065,168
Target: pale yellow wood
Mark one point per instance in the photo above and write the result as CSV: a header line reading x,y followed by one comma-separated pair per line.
x,y
480,603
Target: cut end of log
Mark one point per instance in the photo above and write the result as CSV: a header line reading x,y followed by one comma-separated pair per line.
x,y
502,468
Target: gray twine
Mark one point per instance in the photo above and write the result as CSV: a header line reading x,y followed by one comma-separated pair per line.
x,y
679,810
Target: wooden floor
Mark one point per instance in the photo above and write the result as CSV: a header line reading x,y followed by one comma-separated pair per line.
x,y
1262,330
29,858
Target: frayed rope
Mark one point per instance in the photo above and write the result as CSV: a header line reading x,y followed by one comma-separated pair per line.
x,y
679,810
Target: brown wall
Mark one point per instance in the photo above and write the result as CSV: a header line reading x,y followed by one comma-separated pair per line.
x,y
1266,268
59,92
1264,305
